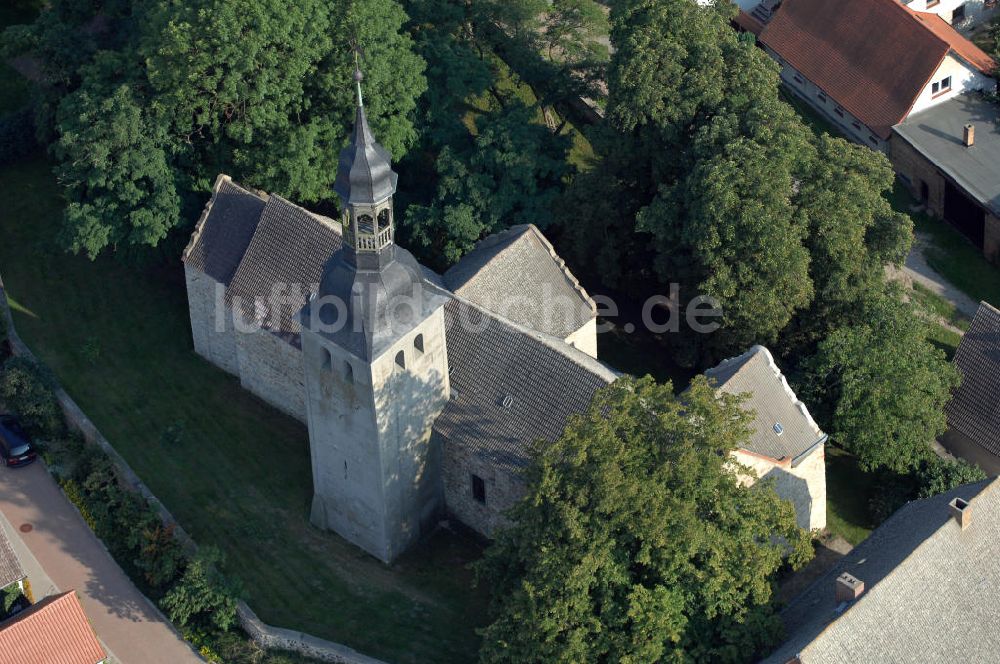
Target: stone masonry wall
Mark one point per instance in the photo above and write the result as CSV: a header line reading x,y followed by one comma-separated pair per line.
x,y
915,168
804,485
271,368
211,323
504,487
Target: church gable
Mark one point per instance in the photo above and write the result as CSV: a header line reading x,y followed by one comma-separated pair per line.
x,y
288,250
225,229
518,275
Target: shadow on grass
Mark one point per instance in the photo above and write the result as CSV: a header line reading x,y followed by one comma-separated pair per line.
x,y
232,470
848,493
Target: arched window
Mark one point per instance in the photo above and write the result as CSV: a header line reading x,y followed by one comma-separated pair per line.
x,y
384,217
327,359
348,371
418,343
401,360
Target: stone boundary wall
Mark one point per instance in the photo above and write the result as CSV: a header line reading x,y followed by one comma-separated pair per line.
x,y
263,634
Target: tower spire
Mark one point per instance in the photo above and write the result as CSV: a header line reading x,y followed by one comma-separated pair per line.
x,y
365,183
358,77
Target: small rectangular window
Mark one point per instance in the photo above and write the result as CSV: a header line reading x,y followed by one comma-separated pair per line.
x,y
873,140
856,124
839,111
798,79
478,489
933,3
821,96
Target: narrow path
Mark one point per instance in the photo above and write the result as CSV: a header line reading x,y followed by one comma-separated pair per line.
x,y
72,558
917,269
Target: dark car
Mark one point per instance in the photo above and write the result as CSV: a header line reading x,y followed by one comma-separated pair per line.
x,y
15,448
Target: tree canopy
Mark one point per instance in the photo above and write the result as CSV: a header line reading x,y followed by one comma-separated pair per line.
x,y
637,541
708,179
259,90
879,387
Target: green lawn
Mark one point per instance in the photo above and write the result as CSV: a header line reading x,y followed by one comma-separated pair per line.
x,y
238,474
848,491
953,256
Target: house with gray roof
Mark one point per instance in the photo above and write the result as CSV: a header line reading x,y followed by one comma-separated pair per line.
x,y
949,156
922,588
974,410
423,394
786,445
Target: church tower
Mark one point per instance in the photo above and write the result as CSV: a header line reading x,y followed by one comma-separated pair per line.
x,y
376,368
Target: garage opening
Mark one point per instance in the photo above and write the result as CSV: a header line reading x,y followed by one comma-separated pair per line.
x,y
964,214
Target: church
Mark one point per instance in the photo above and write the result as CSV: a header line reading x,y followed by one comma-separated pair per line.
x,y
423,393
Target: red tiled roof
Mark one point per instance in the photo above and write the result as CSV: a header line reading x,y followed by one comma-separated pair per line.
x,y
872,56
748,22
964,48
53,631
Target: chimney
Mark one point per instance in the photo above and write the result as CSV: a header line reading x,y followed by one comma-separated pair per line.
x,y
849,588
969,135
962,511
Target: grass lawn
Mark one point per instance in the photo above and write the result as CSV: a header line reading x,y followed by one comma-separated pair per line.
x,y
952,256
237,474
848,491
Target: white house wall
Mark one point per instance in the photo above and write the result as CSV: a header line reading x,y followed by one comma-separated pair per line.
x,y
975,11
803,485
811,94
585,338
964,78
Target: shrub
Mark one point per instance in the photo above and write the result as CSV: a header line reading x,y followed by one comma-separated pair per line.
x,y
76,496
937,475
17,135
28,389
160,555
203,595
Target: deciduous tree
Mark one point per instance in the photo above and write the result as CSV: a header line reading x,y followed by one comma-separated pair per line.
x,y
879,387
637,541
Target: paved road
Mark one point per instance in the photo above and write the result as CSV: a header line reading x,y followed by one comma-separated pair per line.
x,y
72,558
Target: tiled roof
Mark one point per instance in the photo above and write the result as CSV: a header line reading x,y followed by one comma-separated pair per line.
x,y
962,47
771,401
10,567
930,590
289,247
546,379
216,248
53,631
974,409
518,275
511,387
871,56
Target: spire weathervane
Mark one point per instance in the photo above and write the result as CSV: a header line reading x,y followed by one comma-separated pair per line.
x,y
358,76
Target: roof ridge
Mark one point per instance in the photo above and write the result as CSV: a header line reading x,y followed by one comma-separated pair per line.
x,y
199,226
574,282
577,356
912,13
334,225
984,303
